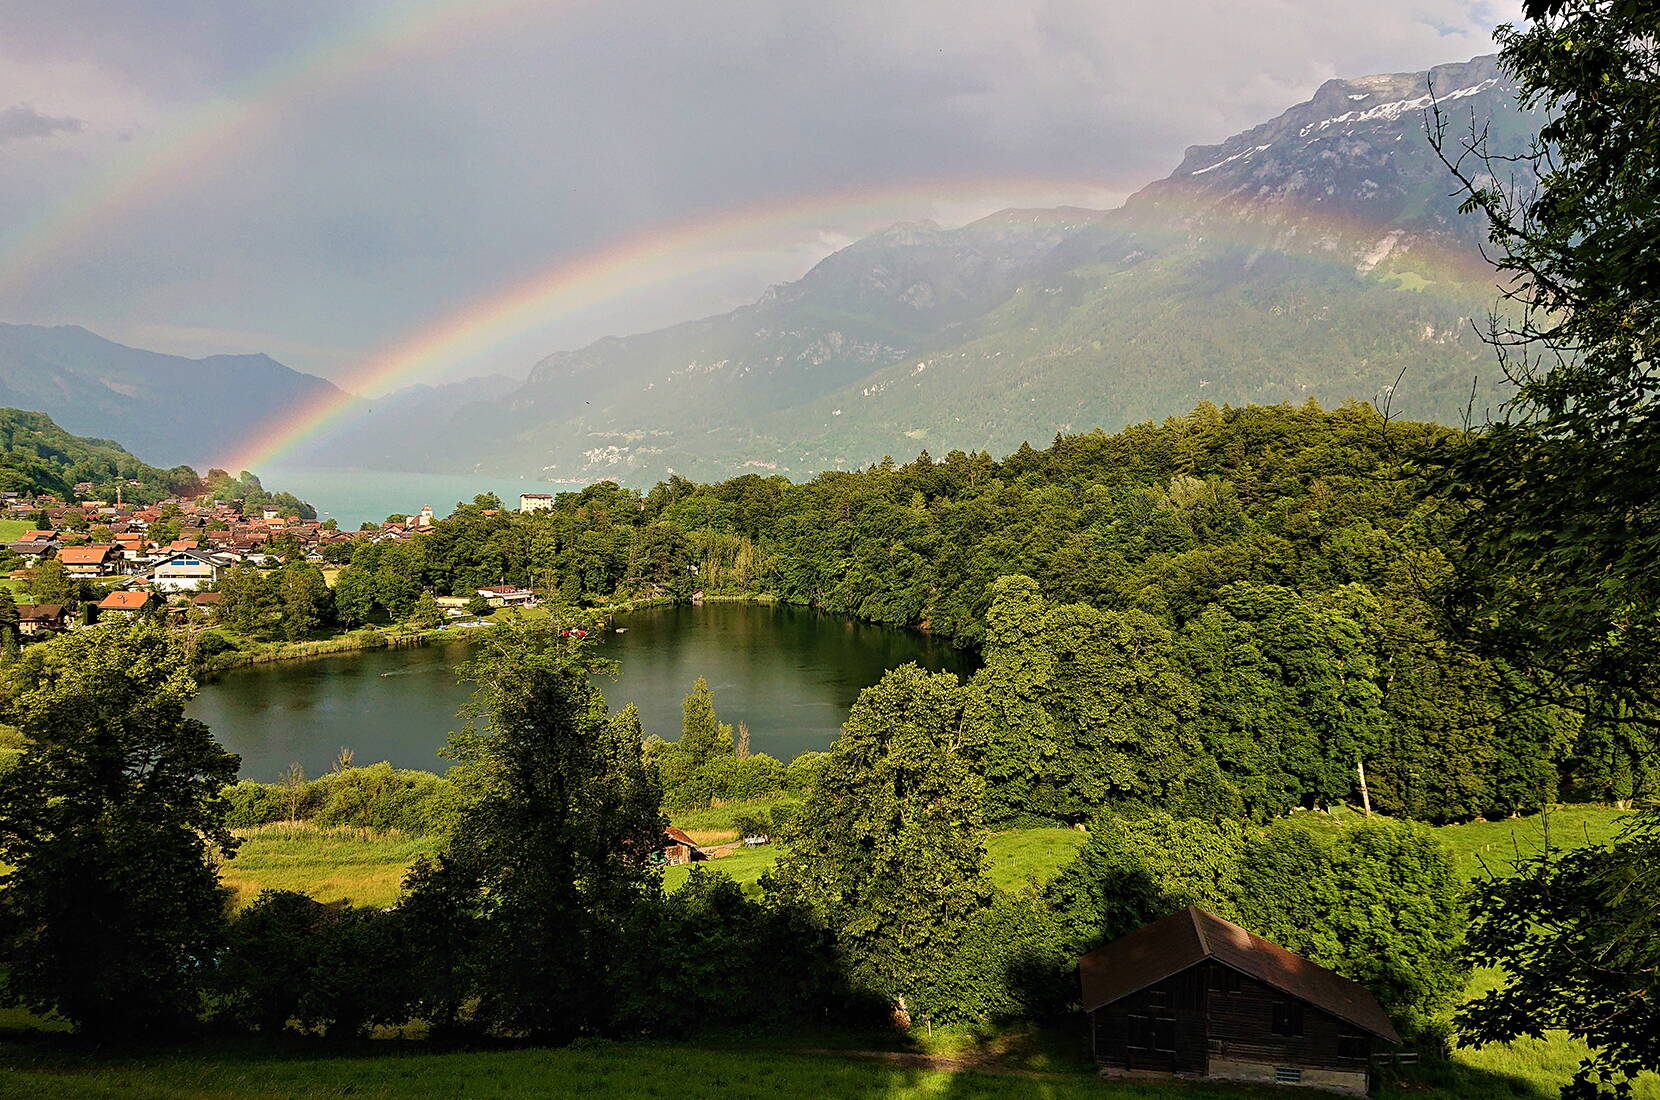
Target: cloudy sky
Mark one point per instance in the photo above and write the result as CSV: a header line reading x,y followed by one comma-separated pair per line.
x,y
323,179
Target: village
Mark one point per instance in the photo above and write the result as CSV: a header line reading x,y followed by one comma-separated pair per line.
x,y
168,558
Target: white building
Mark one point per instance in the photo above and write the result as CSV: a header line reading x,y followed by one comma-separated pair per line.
x,y
183,572
535,502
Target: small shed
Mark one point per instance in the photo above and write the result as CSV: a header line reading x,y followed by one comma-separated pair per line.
x,y
680,848
1195,995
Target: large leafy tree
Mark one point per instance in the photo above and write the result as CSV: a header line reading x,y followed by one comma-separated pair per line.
x,y
888,849
1561,568
109,908
560,818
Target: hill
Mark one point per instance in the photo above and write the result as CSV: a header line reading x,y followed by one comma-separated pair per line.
x,y
1315,255
167,408
38,457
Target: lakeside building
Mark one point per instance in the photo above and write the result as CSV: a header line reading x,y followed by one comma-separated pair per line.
x,y
535,502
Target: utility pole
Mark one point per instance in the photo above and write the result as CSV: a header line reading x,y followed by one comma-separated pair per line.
x,y
1365,795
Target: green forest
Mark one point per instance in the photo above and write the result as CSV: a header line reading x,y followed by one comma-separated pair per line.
x,y
1238,608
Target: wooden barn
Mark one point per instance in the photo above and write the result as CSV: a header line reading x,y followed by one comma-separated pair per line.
x,y
1194,995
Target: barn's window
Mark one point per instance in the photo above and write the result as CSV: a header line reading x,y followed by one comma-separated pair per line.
x,y
1140,1033
1157,998
1351,1044
1164,1035
1288,1075
1288,1019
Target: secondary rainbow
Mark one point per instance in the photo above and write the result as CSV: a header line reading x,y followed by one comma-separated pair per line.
x,y
205,132
636,263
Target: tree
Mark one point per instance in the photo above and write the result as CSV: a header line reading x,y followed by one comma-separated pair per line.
x,y
354,596
1562,518
1561,523
1577,936
703,737
888,849
245,598
110,904
306,601
559,818
426,614
50,582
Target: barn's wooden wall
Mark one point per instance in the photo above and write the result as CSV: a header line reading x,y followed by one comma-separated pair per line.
x,y
1214,1017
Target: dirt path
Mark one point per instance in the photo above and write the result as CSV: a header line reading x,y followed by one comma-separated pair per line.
x,y
937,1062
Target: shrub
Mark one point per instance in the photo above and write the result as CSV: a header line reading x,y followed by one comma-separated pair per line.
x,y
804,771
755,777
333,968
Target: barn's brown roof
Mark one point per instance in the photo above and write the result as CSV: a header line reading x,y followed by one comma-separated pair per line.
x,y
1166,947
679,836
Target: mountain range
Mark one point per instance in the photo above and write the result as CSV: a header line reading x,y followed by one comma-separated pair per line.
x,y
167,409
1317,255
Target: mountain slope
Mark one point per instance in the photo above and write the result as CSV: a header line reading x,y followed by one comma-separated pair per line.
x,y
1318,254
38,457
168,409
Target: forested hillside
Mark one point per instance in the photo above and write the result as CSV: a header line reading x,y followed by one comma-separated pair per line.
x,y
1228,610
38,457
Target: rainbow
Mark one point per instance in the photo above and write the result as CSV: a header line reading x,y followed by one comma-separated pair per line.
x,y
627,266
202,133
638,262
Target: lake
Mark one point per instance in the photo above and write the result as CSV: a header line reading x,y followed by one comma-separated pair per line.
x,y
789,672
354,497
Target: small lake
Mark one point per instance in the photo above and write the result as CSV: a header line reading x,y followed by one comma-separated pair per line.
x,y
789,672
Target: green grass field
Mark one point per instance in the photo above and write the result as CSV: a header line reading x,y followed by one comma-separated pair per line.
x,y
1030,857
329,864
12,529
1489,847
249,1071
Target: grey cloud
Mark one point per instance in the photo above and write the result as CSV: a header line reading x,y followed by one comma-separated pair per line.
x,y
23,121
359,207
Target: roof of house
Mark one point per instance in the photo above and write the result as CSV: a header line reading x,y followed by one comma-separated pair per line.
x,y
679,836
39,612
86,555
124,601
38,536
205,598
1169,946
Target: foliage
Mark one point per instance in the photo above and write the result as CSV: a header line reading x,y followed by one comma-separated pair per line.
x,y
1376,901
109,904
331,968
559,812
887,848
706,957
376,796
38,458
1573,602
1577,936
